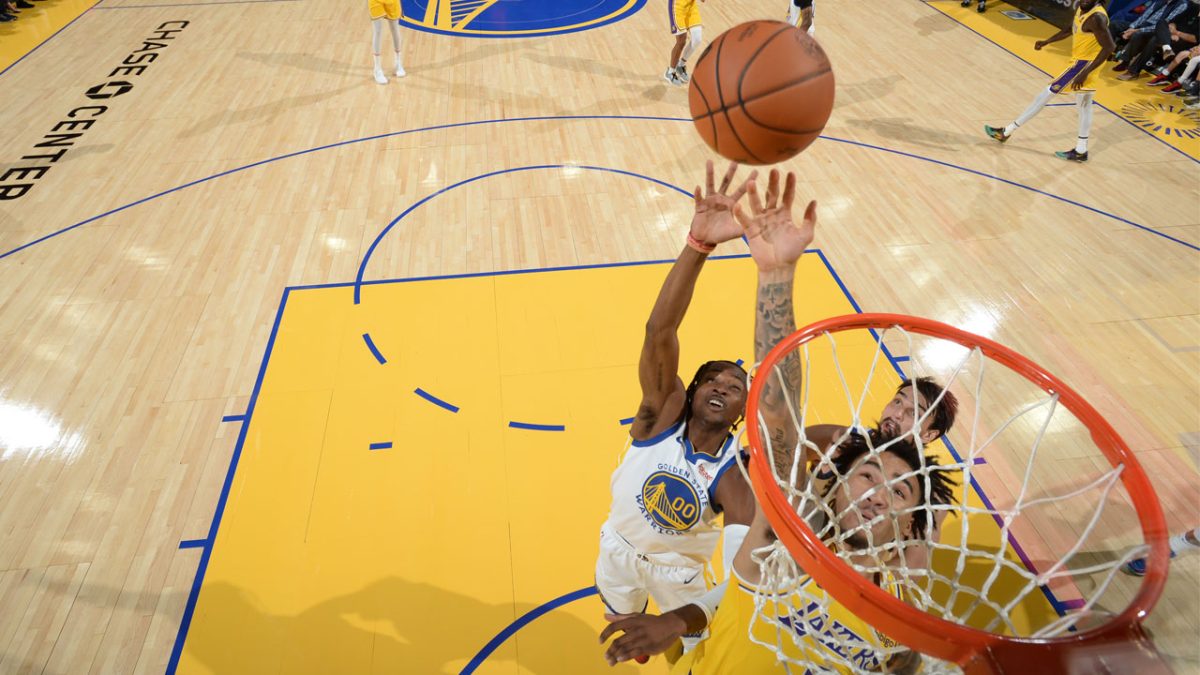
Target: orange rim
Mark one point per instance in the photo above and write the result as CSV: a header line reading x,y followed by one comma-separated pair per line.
x,y
913,627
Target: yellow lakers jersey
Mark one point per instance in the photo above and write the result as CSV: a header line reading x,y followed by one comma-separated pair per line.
x,y
1084,45
815,629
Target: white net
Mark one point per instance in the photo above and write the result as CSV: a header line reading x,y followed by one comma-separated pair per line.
x,y
1014,523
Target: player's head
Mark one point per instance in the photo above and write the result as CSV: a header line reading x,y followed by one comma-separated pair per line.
x,y
1086,5
899,415
870,487
717,394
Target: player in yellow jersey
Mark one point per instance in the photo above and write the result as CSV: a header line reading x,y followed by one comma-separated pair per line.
x,y
389,12
876,497
800,13
1091,46
684,16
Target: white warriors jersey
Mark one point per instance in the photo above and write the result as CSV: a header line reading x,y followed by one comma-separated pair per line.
x,y
662,497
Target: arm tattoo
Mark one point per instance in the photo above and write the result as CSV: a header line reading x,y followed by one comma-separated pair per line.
x,y
774,321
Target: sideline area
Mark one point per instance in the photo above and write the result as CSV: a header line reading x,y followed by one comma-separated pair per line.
x,y
1163,116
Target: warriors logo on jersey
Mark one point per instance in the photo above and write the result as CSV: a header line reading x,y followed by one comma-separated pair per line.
x,y
670,503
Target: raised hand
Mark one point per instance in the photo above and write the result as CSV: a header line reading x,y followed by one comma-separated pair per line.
x,y
775,240
713,222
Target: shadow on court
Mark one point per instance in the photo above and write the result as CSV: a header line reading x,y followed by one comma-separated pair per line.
x,y
391,625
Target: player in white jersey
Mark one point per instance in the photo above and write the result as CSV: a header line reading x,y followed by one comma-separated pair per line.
x,y
800,13
674,479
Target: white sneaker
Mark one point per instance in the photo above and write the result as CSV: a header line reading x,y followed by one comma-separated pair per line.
x,y
379,78
672,78
681,74
400,71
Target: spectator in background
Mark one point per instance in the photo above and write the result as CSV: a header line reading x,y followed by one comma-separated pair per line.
x,y
1122,20
1151,31
1168,39
1191,57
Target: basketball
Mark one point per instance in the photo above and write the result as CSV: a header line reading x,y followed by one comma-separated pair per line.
x,y
761,92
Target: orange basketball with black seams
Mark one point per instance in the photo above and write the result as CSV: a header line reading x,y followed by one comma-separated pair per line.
x,y
761,92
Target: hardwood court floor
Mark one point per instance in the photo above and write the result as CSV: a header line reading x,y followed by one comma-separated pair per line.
x,y
142,272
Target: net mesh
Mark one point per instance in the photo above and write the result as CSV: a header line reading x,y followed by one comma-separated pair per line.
x,y
1029,544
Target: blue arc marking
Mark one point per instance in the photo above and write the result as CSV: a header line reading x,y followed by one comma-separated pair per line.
x,y
435,400
362,268
521,622
374,350
537,427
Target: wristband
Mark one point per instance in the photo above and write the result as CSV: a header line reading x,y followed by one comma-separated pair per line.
x,y
699,245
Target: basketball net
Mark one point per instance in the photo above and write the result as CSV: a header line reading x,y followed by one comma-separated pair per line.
x,y
1014,447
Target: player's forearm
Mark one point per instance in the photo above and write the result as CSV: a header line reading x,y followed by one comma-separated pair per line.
x,y
690,617
1060,35
1097,62
676,293
775,319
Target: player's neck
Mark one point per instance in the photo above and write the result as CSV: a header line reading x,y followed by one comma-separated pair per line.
x,y
706,438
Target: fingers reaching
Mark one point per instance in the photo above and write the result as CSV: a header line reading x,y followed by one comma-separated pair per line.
x,y
773,189
728,179
737,195
708,177
756,205
789,191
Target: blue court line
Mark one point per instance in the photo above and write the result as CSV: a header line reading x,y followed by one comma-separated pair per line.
x,y
385,445
38,46
435,400
197,4
542,119
206,555
362,267
504,273
521,622
1094,102
338,144
233,418
374,350
1055,603
537,427
193,543
979,460
626,421
901,359
1016,184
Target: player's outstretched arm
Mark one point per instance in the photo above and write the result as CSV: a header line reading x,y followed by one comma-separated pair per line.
x,y
776,243
658,369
